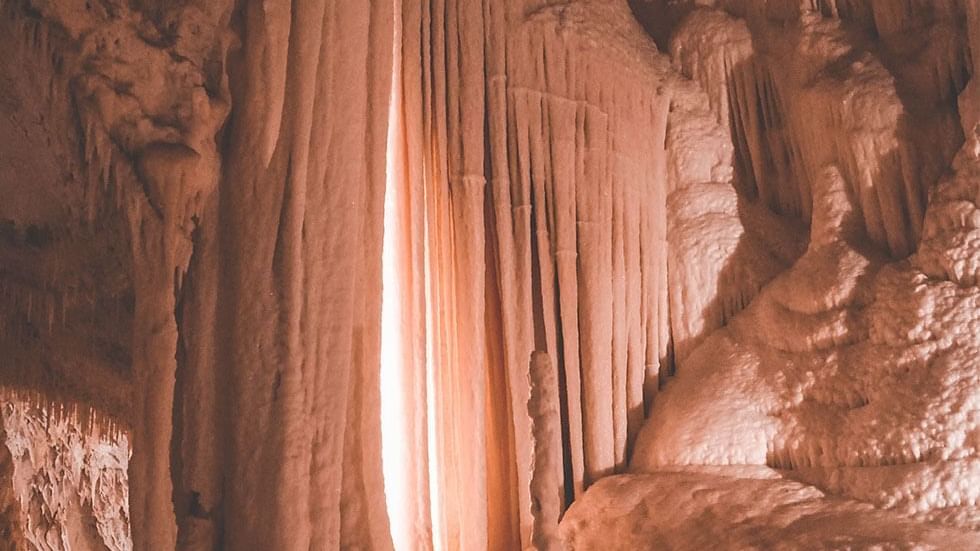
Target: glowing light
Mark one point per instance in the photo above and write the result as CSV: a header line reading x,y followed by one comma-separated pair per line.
x,y
394,448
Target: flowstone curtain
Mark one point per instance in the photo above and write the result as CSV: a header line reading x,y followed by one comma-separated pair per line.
x,y
443,51
280,440
534,133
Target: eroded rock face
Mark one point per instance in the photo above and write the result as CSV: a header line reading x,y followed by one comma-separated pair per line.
x,y
850,370
843,360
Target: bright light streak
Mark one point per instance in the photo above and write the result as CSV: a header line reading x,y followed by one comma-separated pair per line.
x,y
394,447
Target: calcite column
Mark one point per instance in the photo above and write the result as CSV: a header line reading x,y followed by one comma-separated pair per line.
x,y
299,243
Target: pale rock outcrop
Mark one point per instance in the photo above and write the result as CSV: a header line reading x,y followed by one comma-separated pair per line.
x,y
791,91
738,508
849,371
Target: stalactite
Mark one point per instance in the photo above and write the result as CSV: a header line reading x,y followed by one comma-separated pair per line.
x,y
712,243
162,194
786,124
776,145
54,278
299,247
455,187
591,132
409,144
59,463
151,168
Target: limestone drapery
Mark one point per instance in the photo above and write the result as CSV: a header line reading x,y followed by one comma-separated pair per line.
x,y
535,136
279,446
210,284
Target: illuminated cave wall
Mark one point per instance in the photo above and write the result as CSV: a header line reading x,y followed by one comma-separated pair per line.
x,y
643,250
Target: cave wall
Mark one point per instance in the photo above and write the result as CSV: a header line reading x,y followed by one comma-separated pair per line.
x,y
192,227
113,115
792,87
853,371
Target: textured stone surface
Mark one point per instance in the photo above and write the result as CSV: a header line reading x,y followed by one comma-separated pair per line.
x,y
752,239
65,483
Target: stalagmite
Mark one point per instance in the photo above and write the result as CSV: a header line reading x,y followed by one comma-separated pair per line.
x,y
546,472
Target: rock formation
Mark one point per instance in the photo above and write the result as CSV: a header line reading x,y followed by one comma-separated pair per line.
x,y
649,274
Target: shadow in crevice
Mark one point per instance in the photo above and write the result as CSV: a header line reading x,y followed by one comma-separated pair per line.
x,y
659,18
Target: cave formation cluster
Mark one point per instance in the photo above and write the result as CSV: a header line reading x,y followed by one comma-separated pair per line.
x,y
668,274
